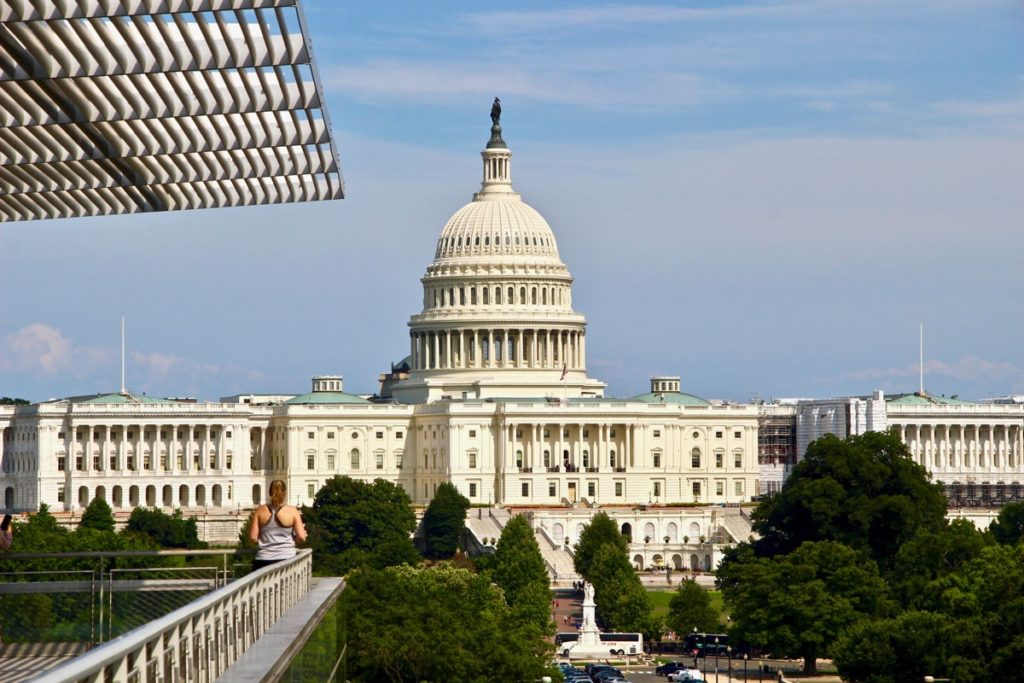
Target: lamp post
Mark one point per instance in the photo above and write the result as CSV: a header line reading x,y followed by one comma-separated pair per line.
x,y
716,659
728,655
746,656
760,669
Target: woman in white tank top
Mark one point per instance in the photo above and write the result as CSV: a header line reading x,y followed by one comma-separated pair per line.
x,y
275,528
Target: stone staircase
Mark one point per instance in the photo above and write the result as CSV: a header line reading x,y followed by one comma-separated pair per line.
x,y
736,522
487,523
558,559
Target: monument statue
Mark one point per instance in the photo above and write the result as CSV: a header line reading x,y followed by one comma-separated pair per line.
x,y
496,112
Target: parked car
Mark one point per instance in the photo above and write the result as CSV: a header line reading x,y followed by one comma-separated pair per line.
x,y
686,676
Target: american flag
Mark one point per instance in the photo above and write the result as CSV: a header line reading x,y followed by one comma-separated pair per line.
x,y
565,371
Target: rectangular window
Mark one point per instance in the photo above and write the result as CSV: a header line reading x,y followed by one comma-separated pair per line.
x,y
472,490
147,462
657,489
696,489
657,433
213,462
398,435
227,434
380,461
60,435
472,460
552,489
719,488
310,490
310,435
380,435
330,461
79,465
591,489
695,458
131,435
519,433
738,460
60,494
565,433
526,489
163,434
718,435
719,460
163,461
310,461
739,487
611,434
330,435
96,462
398,460
737,435
657,459
131,463
195,461
227,461
60,463
618,489
79,436
586,433
472,433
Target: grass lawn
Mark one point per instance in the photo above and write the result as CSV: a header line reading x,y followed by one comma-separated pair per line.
x,y
660,600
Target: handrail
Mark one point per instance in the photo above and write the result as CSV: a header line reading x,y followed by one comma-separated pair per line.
x,y
213,630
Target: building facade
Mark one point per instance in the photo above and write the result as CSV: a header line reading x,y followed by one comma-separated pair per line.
x,y
493,397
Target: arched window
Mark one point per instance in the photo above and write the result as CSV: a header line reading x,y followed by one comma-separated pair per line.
x,y
611,459
649,530
379,459
355,458
522,295
497,295
547,458
586,458
544,296
487,295
519,459
533,297
511,295
672,531
695,457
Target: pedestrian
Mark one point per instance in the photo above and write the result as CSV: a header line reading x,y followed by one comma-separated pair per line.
x,y
275,528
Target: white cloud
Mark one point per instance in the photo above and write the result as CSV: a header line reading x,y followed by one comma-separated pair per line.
x,y
35,348
967,368
155,364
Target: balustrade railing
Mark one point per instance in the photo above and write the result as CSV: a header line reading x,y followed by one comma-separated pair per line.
x,y
197,642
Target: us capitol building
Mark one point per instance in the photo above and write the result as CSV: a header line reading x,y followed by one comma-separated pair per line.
x,y
494,397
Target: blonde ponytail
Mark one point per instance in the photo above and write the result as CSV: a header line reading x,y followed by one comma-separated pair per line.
x,y
277,493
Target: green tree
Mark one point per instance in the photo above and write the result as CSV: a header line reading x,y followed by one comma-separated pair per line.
x,y
352,524
905,648
1008,528
690,609
167,531
622,602
601,530
795,605
928,557
444,522
864,492
437,624
97,516
521,573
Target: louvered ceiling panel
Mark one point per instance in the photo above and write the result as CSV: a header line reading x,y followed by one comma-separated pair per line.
x,y
125,106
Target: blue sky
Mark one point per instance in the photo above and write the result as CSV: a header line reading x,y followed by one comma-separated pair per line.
x,y
765,198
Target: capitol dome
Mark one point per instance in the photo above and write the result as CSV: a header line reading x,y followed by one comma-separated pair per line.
x,y
497,317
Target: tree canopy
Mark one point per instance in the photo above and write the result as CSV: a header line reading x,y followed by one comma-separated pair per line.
x,y
97,516
690,610
796,604
864,492
444,522
167,531
352,523
1008,528
437,624
519,570
601,530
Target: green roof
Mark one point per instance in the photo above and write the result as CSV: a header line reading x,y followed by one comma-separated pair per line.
x,y
671,397
325,397
117,398
925,400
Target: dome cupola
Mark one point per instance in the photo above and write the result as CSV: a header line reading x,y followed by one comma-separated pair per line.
x,y
497,316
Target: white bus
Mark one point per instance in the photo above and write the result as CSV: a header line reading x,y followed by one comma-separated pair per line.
x,y
618,644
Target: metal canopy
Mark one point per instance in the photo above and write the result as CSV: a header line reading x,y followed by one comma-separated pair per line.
x,y
126,106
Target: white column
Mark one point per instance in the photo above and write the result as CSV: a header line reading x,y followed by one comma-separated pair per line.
x,y
490,348
436,359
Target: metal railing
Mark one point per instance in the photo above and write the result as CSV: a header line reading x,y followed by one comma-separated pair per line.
x,y
197,642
